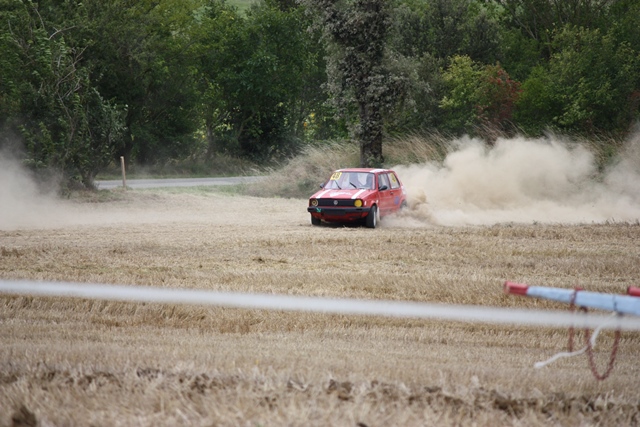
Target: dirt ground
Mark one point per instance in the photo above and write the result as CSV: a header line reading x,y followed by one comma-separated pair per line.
x,y
74,362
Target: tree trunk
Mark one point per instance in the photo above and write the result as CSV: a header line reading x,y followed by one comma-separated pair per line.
x,y
370,136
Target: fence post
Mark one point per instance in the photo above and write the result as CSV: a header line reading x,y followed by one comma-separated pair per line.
x,y
124,176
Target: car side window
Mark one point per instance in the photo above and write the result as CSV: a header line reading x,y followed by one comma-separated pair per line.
x,y
369,180
383,180
394,181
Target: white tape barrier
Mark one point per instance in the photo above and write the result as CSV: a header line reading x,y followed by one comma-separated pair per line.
x,y
462,313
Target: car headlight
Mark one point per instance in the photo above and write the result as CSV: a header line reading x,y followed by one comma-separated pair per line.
x,y
314,202
357,203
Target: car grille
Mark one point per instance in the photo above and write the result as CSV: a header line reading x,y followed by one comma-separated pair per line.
x,y
330,202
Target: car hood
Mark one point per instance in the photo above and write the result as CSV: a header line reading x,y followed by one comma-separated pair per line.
x,y
342,194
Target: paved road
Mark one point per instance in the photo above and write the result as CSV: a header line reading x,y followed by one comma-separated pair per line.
x,y
177,182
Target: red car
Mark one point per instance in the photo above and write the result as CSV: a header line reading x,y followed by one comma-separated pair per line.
x,y
358,194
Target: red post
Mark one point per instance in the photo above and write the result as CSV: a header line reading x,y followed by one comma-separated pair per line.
x,y
515,288
634,291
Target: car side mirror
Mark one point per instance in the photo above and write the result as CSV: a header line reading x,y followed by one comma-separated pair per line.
x,y
384,187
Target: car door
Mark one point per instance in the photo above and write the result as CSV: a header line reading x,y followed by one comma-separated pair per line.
x,y
385,193
396,191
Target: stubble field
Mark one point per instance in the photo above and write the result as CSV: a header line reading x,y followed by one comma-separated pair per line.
x,y
70,362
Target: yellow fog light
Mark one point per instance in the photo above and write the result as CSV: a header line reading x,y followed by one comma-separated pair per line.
x,y
314,202
357,203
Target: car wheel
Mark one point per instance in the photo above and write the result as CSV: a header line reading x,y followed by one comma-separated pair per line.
x,y
315,221
373,217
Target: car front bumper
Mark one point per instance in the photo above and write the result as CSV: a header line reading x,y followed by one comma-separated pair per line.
x,y
340,213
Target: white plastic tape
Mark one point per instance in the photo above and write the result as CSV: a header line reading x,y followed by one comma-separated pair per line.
x,y
462,313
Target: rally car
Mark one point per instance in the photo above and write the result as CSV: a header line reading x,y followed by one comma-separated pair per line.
x,y
358,194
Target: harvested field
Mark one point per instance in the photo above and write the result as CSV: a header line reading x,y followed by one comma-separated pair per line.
x,y
79,362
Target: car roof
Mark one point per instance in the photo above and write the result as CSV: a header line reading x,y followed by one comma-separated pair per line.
x,y
369,170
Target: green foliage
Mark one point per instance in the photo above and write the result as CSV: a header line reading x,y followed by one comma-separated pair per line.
x,y
589,86
141,59
418,108
537,105
519,54
595,77
461,78
424,35
261,77
478,97
540,19
443,28
64,121
241,5
163,82
11,71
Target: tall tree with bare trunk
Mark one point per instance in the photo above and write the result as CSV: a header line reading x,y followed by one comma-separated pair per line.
x,y
356,35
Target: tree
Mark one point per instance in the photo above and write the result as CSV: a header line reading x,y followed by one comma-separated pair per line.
x,y
443,28
540,19
590,85
261,75
141,58
108,77
14,20
538,105
596,78
65,122
480,99
356,32
460,103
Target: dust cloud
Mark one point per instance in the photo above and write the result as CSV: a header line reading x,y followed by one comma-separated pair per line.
x,y
22,202
26,203
522,181
24,206
516,181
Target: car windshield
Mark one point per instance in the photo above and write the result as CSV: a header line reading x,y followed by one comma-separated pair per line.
x,y
350,180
